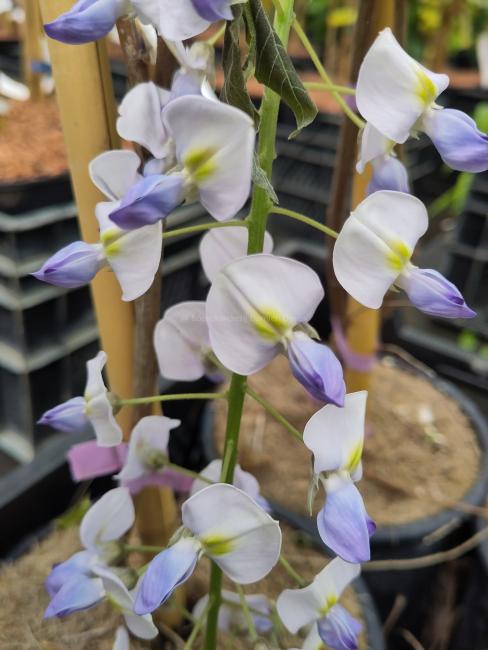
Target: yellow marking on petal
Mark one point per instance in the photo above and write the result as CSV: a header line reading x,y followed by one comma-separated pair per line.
x,y
200,163
329,603
426,88
110,241
269,323
398,255
218,544
354,458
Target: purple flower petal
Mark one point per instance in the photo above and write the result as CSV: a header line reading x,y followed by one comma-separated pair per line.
x,y
343,523
389,174
68,417
317,368
339,630
148,201
79,592
77,565
433,294
73,266
456,137
213,10
167,571
87,20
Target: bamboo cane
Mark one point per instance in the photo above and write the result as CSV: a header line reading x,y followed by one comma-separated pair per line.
x,y
85,98
363,325
32,47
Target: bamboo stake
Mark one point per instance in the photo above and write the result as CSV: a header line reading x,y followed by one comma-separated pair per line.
x,y
85,99
31,47
363,325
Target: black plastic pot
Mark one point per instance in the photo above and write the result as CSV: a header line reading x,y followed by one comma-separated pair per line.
x,y
27,195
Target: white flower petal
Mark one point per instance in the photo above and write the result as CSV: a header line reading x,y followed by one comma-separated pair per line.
x,y
140,117
242,479
149,436
121,641
335,435
375,244
393,90
99,411
239,536
141,626
253,302
135,259
108,519
373,144
220,246
148,11
114,172
181,339
217,151
179,20
94,380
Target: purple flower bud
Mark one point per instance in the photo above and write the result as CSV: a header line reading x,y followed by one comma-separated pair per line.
x,y
433,294
339,630
148,201
317,368
68,417
78,565
213,10
86,21
389,174
456,137
73,266
78,593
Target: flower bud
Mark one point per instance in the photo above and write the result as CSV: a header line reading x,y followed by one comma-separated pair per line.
x,y
389,174
68,417
73,266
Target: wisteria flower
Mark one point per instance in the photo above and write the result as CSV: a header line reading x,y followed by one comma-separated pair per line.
x,y
215,153
135,200
73,585
259,306
397,96
231,617
182,343
373,252
148,450
89,20
389,173
94,408
335,437
224,523
317,605
220,246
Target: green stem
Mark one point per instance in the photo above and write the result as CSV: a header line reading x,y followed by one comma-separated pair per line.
x,y
260,208
275,413
169,398
196,628
304,219
323,74
291,572
247,613
218,34
201,227
188,472
317,85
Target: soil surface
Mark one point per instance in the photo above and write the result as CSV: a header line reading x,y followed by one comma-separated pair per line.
x,y
23,599
31,142
420,451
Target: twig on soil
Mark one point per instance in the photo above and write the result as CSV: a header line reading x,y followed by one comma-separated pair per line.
x,y
409,638
429,560
395,613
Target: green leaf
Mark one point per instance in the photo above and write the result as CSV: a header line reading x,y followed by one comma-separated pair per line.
x,y
73,516
275,69
234,90
260,179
